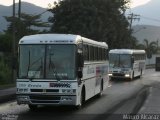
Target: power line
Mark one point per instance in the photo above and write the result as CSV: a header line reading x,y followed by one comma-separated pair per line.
x,y
148,18
43,12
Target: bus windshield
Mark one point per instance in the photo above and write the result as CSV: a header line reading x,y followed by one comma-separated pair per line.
x,y
47,61
120,60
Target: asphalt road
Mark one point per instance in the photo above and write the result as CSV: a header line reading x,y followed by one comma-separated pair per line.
x,y
122,97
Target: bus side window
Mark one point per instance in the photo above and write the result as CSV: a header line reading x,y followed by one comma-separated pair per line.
x,y
106,56
91,53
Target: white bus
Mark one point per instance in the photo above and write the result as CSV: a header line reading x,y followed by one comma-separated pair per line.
x,y
60,69
126,63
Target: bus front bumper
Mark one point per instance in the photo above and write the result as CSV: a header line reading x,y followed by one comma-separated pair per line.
x,y
46,99
119,75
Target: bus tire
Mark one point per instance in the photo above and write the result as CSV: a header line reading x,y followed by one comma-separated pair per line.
x,y
141,74
132,76
32,107
101,89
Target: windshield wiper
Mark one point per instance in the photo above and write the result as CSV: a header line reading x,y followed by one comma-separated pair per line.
x,y
52,65
37,70
30,65
29,57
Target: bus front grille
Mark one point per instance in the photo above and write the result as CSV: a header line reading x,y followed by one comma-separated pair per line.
x,y
47,90
45,99
118,74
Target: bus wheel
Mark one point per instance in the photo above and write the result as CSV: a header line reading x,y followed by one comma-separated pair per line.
x,y
140,74
32,107
101,89
132,76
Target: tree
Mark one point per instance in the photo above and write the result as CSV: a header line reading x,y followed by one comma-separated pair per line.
x,y
101,20
6,43
150,48
26,25
5,58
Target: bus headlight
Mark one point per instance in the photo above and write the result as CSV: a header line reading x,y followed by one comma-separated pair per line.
x,y
68,90
66,98
22,99
127,75
110,74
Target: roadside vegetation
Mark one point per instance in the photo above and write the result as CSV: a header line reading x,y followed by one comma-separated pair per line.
x,y
24,26
150,47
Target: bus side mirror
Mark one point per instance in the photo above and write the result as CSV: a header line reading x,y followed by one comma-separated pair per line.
x,y
80,60
80,74
132,60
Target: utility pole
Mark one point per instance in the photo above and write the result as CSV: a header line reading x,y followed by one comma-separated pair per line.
x,y
132,17
19,22
19,9
13,46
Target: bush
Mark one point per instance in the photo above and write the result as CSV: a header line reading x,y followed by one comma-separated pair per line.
x,y
5,73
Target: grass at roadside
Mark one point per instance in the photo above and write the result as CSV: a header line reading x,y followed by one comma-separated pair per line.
x,y
7,86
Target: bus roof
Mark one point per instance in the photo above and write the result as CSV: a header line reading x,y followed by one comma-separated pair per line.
x,y
127,51
58,39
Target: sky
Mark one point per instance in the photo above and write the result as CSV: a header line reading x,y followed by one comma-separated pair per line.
x,y
135,3
41,3
44,3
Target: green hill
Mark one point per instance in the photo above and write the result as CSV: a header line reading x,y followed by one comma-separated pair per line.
x,y
151,33
25,8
